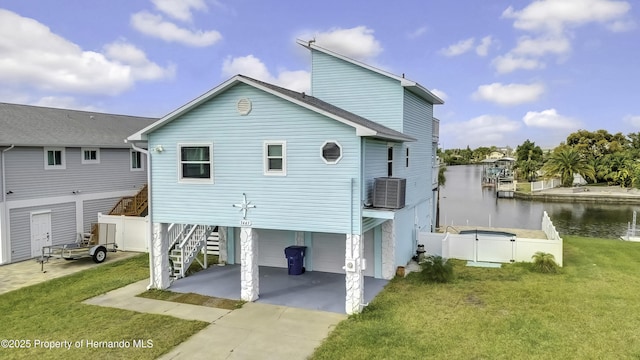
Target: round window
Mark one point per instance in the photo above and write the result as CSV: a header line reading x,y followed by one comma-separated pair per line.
x,y
331,152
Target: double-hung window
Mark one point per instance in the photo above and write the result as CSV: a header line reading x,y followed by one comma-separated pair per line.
x,y
275,158
54,158
196,162
90,155
136,161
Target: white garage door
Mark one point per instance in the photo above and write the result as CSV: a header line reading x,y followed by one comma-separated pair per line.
x,y
271,244
329,252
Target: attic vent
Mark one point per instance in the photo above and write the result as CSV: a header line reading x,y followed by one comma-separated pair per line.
x,y
389,192
244,106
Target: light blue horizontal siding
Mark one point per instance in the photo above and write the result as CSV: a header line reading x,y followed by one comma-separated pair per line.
x,y
375,165
418,120
27,178
313,196
356,89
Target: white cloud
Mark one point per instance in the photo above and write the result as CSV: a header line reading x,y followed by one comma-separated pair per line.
x,y
441,94
556,15
38,59
181,9
458,48
509,63
63,102
418,32
633,120
509,94
358,42
484,130
155,26
549,119
485,44
622,25
540,46
253,67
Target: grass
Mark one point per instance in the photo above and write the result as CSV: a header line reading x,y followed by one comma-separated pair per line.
x,y
52,311
589,310
193,299
523,187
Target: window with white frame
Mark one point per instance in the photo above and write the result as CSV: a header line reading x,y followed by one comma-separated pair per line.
x,y
275,158
331,152
54,158
407,157
90,155
196,162
136,161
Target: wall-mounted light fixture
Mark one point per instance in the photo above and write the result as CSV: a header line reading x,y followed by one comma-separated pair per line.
x,y
76,192
9,192
158,148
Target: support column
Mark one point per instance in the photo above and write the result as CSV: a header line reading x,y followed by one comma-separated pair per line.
x,y
299,238
388,250
222,245
249,274
354,276
160,259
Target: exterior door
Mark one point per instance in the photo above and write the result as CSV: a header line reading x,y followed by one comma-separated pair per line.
x,y
40,232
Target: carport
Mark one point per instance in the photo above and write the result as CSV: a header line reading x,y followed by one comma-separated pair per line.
x,y
312,290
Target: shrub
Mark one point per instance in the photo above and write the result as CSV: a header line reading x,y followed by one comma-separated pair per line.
x,y
544,262
437,269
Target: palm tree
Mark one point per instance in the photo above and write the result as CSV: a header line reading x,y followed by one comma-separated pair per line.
x,y
442,179
566,161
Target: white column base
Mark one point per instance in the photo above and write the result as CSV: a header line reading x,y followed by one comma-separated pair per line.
x,y
160,260
249,273
354,276
388,250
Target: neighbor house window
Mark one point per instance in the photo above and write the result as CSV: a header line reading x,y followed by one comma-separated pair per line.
x,y
275,158
331,152
54,158
90,156
136,160
196,162
390,161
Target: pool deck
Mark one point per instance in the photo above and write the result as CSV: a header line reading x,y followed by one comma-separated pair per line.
x,y
521,233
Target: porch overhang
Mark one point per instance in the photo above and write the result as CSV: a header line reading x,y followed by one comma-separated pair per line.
x,y
378,213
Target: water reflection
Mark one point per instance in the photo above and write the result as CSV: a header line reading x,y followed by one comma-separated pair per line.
x,y
463,201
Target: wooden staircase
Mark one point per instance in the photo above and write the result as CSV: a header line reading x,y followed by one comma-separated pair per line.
x,y
132,205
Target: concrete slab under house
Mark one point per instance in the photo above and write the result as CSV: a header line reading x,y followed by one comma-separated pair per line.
x,y
348,171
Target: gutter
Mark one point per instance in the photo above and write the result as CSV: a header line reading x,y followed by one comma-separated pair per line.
x,y
149,213
5,217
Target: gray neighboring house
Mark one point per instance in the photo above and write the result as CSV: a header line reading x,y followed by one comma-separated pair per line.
x,y
58,169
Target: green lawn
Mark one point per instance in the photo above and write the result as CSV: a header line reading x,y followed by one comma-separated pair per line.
x,y
591,310
52,311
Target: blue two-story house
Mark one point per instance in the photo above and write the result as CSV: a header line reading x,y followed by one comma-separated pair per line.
x,y
347,171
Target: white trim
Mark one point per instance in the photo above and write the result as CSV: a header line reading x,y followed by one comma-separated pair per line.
x,y
141,163
265,158
322,152
183,180
90,161
63,160
18,204
38,212
407,156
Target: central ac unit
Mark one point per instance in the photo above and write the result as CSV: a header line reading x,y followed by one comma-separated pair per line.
x,y
389,192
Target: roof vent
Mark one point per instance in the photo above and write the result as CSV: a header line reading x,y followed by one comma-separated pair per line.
x,y
244,106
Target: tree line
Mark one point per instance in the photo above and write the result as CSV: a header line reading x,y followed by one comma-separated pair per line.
x,y
598,156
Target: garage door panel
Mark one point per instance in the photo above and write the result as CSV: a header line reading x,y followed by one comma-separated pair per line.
x,y
328,252
271,244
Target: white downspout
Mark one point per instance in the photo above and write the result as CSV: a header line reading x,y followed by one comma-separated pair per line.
x,y
5,216
149,213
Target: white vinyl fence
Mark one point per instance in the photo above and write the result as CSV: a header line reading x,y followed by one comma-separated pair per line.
x,y
131,231
545,184
483,246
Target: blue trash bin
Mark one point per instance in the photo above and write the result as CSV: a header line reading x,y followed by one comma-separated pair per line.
x,y
295,259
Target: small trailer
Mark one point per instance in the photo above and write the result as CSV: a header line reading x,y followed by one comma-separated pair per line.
x,y
94,245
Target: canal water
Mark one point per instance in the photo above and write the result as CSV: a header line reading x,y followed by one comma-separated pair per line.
x,y
463,201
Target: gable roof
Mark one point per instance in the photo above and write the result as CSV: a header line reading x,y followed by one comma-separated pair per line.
x,y
410,85
364,127
26,125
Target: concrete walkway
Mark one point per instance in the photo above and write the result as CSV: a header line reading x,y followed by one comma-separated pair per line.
x,y
255,331
25,273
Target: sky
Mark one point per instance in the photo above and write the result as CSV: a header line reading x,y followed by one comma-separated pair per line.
x,y
508,70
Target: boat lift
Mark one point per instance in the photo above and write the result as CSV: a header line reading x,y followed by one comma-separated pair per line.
x,y
86,245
